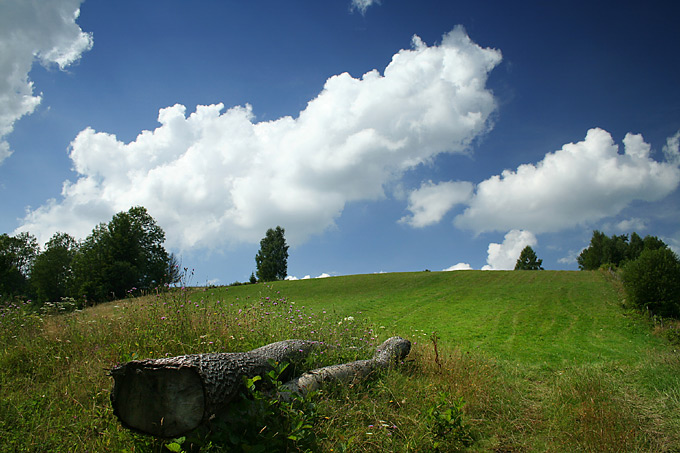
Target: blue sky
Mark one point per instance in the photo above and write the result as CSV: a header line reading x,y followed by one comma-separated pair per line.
x,y
383,136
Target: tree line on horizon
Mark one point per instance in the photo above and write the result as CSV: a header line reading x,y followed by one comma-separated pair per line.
x,y
124,256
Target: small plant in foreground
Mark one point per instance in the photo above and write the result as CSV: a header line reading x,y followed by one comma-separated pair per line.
x,y
446,422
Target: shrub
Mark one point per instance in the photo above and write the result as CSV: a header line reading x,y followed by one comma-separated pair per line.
x,y
653,281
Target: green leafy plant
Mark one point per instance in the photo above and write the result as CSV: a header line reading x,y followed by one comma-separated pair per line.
x,y
176,445
447,423
266,417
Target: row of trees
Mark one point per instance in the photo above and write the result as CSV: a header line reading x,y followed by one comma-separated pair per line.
x,y
124,254
614,251
649,269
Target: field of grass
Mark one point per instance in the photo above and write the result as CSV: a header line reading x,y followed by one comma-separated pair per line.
x,y
502,361
535,318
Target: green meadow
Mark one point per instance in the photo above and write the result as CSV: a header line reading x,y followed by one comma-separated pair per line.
x,y
544,319
501,361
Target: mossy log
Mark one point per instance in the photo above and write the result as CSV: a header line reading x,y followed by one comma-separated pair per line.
x,y
172,396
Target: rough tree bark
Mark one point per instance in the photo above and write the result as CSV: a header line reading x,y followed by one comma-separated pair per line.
x,y
390,352
172,396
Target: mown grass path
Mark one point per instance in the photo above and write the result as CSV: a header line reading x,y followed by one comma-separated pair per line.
x,y
547,319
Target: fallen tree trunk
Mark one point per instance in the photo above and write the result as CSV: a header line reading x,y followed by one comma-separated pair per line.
x,y
389,353
172,396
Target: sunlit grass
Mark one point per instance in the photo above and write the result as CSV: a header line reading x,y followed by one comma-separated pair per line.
x,y
537,360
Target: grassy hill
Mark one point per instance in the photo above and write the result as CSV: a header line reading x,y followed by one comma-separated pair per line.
x,y
553,318
502,361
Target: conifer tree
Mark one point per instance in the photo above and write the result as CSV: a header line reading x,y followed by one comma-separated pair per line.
x,y
528,261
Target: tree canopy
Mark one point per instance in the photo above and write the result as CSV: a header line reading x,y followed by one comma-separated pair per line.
x,y
52,272
615,250
272,258
528,261
124,255
652,281
17,255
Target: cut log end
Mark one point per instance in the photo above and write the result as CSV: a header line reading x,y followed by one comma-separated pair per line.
x,y
165,401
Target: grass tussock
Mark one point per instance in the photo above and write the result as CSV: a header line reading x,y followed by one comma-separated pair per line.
x,y
451,394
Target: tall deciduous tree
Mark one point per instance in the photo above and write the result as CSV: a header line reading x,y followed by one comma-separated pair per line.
x,y
17,255
52,272
272,259
528,261
124,254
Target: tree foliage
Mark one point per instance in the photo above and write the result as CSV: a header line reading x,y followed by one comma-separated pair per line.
x,y
652,281
616,250
650,271
528,261
52,273
272,258
123,255
17,255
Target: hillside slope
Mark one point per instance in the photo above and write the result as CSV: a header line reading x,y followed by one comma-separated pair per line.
x,y
548,317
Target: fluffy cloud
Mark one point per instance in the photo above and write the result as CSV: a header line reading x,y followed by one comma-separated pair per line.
x,y
430,202
33,30
630,225
672,149
504,256
218,176
362,5
581,183
307,277
459,267
571,257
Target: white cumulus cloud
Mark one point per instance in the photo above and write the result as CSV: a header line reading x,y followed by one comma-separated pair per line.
x,y
459,267
217,176
671,149
581,183
307,277
431,202
32,30
504,256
